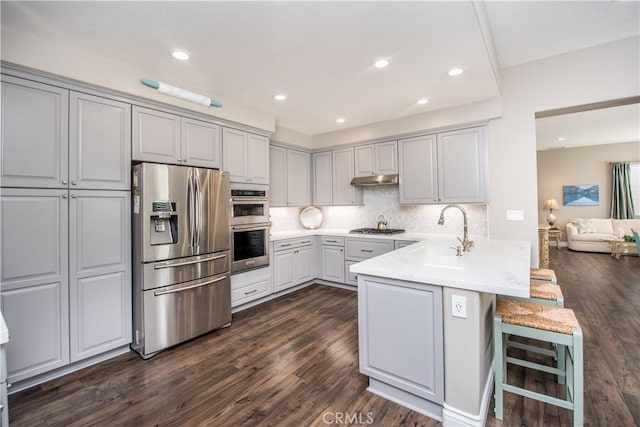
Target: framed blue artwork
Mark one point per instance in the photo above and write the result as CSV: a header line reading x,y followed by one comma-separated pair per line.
x,y
580,195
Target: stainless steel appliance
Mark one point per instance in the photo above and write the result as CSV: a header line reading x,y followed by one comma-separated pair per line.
x,y
181,254
249,227
377,231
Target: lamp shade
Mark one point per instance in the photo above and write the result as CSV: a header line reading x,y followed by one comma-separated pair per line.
x,y
551,204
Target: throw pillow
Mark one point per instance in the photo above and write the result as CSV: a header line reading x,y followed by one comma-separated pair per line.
x,y
584,226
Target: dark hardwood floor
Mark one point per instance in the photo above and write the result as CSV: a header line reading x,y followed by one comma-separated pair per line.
x,y
294,362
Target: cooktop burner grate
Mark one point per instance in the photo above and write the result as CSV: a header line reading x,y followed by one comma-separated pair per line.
x,y
376,231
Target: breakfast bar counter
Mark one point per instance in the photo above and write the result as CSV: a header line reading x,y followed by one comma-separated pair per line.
x,y
425,323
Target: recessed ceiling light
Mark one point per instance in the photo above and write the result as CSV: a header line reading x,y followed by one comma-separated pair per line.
x,y
381,63
180,54
455,72
340,120
280,97
561,138
422,101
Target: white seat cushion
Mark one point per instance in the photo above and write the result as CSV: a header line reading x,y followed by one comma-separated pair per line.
x,y
593,237
602,226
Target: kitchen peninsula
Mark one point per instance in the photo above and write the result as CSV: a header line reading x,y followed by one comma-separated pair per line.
x,y
425,323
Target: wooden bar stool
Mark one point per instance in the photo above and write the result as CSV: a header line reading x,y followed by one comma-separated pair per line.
x,y
540,322
543,275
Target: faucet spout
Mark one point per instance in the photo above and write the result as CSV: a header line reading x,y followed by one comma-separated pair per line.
x,y
466,243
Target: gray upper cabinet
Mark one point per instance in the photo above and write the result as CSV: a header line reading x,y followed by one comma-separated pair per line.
x,y
343,172
34,283
322,178
376,159
449,167
167,138
201,143
99,272
99,143
156,136
245,156
461,161
290,177
35,134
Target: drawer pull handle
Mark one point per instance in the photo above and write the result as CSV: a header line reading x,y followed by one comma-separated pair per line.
x,y
305,241
251,292
366,250
332,241
285,245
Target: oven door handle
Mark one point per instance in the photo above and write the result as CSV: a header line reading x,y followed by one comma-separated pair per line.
x,y
186,288
169,264
260,226
248,199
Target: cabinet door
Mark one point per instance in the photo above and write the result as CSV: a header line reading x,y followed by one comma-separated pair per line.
x,y
322,178
277,176
333,263
304,264
343,171
299,178
34,280
156,136
283,270
418,170
386,158
201,143
99,143
100,272
35,138
364,160
234,154
461,166
258,159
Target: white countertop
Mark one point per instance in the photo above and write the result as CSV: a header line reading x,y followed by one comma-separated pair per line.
x,y
4,332
492,266
410,236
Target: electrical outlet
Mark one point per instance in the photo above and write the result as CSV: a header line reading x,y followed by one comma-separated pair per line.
x,y
459,306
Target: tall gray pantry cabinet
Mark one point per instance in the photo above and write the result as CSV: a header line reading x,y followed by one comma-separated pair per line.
x,y
65,224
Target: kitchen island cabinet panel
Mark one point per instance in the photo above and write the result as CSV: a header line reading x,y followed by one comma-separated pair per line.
x,y
35,134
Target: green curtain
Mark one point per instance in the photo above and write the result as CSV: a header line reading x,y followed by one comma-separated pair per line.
x,y
621,201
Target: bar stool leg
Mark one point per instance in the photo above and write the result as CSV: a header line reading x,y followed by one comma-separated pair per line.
x,y
500,366
578,380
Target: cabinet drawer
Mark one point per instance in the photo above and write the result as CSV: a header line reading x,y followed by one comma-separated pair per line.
x,y
244,292
333,240
350,278
292,243
359,249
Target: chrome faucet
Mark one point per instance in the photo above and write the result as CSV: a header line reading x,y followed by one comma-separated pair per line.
x,y
466,243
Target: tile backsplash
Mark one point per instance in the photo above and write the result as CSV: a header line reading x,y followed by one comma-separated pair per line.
x,y
384,200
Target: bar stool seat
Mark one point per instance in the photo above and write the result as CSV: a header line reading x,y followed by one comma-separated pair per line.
x,y
543,275
552,324
543,293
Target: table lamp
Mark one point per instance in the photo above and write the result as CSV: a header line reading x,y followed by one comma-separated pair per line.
x,y
551,204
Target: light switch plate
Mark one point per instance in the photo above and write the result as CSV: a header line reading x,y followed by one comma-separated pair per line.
x,y
515,215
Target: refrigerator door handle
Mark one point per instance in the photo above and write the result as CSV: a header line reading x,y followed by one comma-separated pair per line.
x,y
169,264
191,207
198,208
199,285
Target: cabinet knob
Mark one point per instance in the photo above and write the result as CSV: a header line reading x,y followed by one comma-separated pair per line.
x,y
179,159
64,182
73,196
64,196
74,183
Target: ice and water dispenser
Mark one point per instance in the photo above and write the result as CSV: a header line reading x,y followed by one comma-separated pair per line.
x,y
164,223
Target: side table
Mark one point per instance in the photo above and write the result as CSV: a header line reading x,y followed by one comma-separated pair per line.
x,y
619,247
556,233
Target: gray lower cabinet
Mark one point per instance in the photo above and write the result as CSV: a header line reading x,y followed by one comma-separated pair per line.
x,y
66,292
400,335
249,286
357,250
35,134
333,263
99,272
35,280
292,263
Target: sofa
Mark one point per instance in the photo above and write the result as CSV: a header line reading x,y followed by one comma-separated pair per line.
x,y
589,234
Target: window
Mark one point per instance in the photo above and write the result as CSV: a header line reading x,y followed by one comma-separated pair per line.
x,y
634,176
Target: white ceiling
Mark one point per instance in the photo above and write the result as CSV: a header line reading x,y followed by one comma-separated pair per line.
x,y
321,53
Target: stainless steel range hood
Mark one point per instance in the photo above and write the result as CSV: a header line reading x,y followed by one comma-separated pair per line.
x,y
375,180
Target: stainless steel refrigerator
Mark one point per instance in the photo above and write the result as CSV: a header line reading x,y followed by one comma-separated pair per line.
x,y
181,254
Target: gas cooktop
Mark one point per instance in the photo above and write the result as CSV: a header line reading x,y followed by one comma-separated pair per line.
x,y
376,231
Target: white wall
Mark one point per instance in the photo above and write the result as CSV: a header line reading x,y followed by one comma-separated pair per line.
x,y
91,67
293,137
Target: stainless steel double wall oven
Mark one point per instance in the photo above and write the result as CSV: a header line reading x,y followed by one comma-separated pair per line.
x,y
249,227
181,256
